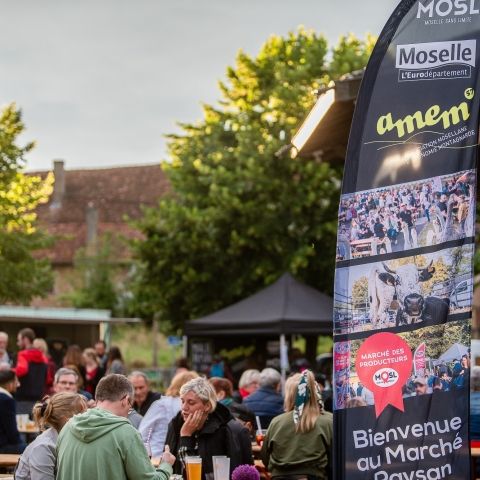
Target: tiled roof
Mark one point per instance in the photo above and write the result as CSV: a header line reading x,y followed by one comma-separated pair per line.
x,y
116,193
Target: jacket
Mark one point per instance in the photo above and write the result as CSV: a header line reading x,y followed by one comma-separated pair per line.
x,y
31,369
10,441
38,460
266,403
154,425
286,452
143,408
220,435
100,445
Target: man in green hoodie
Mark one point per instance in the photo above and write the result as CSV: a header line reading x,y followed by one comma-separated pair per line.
x,y
102,444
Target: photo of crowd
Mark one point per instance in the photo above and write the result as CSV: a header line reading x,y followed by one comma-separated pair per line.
x,y
421,289
406,216
444,368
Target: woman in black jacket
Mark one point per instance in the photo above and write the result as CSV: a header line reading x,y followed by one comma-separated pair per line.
x,y
206,428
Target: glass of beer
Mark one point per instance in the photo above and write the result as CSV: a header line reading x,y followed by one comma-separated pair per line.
x,y
194,468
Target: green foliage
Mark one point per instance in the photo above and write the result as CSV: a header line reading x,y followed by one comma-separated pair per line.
x,y
95,277
351,54
240,215
24,276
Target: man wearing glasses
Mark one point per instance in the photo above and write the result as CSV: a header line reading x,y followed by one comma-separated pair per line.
x,y
101,443
66,380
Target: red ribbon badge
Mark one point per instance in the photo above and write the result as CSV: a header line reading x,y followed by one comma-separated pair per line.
x,y
383,364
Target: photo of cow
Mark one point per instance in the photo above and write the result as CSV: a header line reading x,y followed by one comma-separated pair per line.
x,y
406,216
412,290
444,366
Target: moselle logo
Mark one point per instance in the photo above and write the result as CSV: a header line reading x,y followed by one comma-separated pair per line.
x,y
435,60
443,9
430,117
385,377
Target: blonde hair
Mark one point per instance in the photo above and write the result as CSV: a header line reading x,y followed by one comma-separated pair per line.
x,y
91,354
56,410
41,344
248,377
311,410
178,381
203,389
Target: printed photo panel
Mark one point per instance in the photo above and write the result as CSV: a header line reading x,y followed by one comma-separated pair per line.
x,y
417,290
406,216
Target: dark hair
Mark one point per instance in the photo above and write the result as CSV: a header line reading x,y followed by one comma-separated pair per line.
x,y
242,413
113,387
73,356
6,376
114,354
182,363
222,384
102,342
27,333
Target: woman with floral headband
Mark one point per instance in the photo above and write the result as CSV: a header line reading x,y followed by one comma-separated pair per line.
x,y
52,413
298,443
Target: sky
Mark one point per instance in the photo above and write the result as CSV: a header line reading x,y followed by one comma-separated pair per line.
x,y
100,82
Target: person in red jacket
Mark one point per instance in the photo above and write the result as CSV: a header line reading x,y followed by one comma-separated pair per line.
x,y
31,368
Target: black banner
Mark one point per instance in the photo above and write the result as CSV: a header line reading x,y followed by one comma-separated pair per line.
x,y
404,276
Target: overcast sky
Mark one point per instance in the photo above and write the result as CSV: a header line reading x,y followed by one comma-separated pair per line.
x,y
101,81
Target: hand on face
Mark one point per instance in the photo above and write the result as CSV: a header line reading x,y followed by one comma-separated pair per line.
x,y
193,423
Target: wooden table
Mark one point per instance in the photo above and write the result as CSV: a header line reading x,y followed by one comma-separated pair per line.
x,y
29,430
8,461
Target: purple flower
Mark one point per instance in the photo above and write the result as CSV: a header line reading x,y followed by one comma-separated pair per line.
x,y
245,472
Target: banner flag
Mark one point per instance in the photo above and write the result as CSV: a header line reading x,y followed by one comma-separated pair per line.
x,y
419,360
404,271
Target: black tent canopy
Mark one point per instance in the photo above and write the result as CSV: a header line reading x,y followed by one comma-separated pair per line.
x,y
285,307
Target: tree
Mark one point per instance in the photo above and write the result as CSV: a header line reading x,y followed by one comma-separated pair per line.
x,y
24,275
240,215
94,280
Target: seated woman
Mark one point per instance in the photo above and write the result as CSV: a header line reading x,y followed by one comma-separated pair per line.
x,y
298,442
154,425
224,390
206,428
10,441
38,460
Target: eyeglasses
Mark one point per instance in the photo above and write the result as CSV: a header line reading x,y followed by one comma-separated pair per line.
x,y
67,383
129,401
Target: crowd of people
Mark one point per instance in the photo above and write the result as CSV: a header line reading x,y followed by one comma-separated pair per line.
x,y
388,217
99,421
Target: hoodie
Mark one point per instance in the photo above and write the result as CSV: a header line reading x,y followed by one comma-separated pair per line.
x,y
100,445
31,368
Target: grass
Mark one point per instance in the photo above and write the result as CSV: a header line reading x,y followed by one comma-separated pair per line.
x,y
136,345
